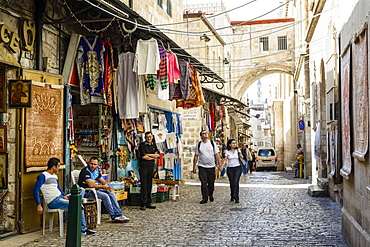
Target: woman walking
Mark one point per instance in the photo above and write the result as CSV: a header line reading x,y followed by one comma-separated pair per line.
x,y
234,169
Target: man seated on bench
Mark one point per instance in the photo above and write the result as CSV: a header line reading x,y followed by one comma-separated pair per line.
x,y
89,177
55,198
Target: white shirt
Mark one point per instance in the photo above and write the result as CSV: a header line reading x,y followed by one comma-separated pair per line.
x,y
232,158
147,57
206,154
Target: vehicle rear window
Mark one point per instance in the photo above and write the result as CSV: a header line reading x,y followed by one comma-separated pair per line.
x,y
266,152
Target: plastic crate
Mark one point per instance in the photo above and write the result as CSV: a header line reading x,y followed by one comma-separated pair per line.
x,y
162,196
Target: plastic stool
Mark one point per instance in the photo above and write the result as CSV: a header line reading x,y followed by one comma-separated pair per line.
x,y
175,192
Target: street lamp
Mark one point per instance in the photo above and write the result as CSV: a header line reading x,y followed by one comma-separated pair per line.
x,y
205,38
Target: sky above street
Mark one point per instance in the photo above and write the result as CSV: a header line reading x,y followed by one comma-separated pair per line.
x,y
248,12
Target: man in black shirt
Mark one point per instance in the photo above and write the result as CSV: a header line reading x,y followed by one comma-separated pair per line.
x,y
148,152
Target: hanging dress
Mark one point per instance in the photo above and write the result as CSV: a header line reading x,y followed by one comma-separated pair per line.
x,y
90,68
127,84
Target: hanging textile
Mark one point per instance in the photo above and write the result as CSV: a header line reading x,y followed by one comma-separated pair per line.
x,y
185,79
108,71
127,80
195,94
162,72
71,133
171,140
163,94
212,116
169,160
173,76
346,112
159,135
147,60
360,95
90,68
162,122
143,106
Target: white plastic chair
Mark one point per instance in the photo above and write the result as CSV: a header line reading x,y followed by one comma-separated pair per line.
x,y
74,176
51,218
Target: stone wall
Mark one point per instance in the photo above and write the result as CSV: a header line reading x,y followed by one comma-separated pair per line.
x,y
356,194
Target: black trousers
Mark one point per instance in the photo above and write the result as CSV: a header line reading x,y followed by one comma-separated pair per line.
x,y
234,174
207,177
146,180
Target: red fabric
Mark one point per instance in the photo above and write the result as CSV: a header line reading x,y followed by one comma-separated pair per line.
x,y
160,160
74,76
212,116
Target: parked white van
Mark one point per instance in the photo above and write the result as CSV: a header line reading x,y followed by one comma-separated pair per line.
x,y
266,159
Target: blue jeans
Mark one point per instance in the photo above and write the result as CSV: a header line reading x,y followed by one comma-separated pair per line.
x,y
245,168
109,201
249,166
234,174
223,171
60,202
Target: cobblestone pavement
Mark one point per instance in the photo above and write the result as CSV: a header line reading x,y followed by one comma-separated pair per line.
x,y
274,210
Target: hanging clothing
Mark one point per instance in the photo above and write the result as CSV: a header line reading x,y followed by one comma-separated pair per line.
x,y
147,57
212,116
185,79
146,122
169,160
127,85
163,94
159,135
143,106
173,77
90,68
173,68
162,122
108,71
171,140
162,72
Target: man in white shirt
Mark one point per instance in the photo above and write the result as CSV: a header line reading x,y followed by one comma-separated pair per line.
x,y
206,152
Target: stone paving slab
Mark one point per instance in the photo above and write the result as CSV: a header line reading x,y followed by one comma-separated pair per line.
x,y
274,210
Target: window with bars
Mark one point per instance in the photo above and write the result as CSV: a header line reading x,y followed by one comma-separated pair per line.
x,y
160,3
264,44
282,43
169,12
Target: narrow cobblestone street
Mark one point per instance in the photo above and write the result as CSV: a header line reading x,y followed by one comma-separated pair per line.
x,y
274,210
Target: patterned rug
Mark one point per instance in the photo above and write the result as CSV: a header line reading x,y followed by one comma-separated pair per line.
x,y
44,127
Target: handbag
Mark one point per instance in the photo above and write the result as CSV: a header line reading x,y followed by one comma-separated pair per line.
x,y
242,162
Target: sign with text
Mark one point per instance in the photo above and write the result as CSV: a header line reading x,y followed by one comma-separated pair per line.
x,y
192,115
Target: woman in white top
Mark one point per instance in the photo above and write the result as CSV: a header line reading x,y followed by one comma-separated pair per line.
x,y
234,169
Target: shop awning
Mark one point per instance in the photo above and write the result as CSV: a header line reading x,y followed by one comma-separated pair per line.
x,y
211,95
84,11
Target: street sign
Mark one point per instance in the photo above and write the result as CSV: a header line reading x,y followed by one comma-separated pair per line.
x,y
301,124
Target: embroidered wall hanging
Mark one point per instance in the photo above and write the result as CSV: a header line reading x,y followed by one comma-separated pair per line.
x,y
44,127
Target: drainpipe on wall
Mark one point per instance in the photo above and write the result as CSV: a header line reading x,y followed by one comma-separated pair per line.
x,y
39,7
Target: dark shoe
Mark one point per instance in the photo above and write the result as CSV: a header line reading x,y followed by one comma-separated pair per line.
x,y
151,206
143,207
203,201
88,233
211,199
236,201
231,199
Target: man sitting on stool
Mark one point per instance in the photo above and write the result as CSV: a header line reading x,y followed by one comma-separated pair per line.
x,y
88,179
